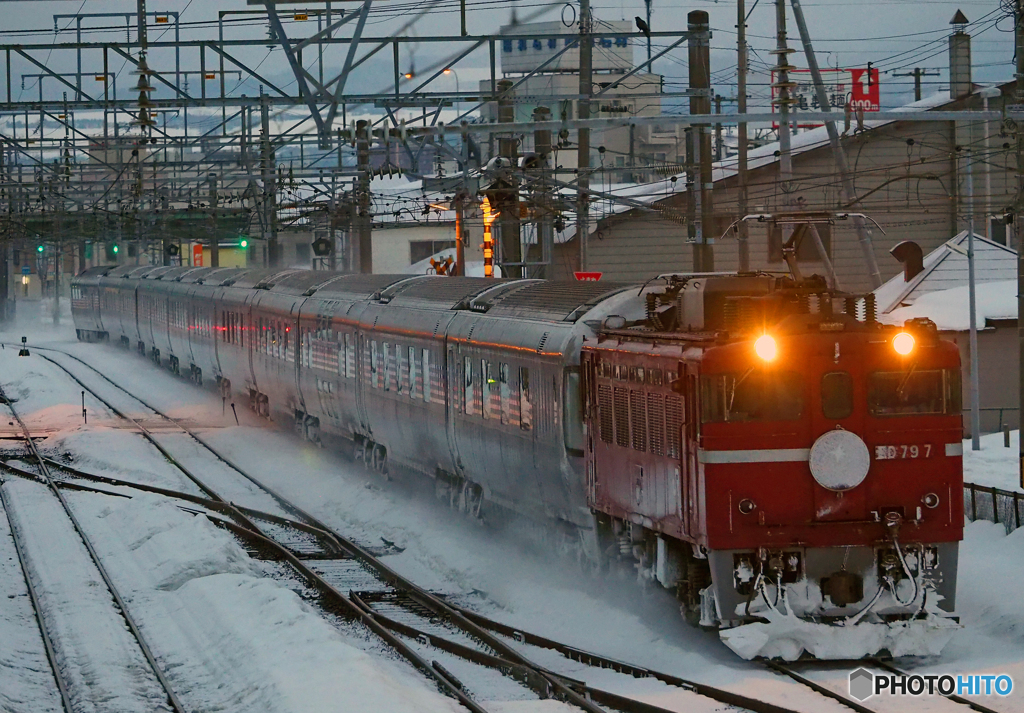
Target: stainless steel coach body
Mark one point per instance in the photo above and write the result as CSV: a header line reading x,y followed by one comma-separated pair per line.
x,y
474,382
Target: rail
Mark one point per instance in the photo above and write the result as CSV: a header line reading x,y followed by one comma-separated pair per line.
x,y
983,502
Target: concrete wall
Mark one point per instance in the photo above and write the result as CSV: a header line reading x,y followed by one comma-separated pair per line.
x,y
998,372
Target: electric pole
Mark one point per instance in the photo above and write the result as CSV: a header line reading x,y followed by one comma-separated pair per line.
x,y
741,157
1018,37
268,173
699,47
362,217
214,237
583,134
917,74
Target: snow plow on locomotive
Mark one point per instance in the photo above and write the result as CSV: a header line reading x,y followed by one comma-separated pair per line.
x,y
791,467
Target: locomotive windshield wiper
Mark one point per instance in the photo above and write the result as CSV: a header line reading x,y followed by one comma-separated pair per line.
x,y
732,392
904,381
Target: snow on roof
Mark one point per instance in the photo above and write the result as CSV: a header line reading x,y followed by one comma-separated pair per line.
x,y
945,268
761,156
950,309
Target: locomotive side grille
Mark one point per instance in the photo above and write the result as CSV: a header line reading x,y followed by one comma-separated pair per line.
x,y
604,407
673,424
638,414
622,417
656,423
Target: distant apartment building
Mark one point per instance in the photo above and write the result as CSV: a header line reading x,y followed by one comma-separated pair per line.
x,y
631,153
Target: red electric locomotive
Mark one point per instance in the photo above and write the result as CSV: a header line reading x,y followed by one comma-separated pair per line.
x,y
789,465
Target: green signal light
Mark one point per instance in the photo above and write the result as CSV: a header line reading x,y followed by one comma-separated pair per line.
x,y
40,248
243,244
116,248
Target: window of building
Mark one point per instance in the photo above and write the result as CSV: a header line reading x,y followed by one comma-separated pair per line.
x,y
422,249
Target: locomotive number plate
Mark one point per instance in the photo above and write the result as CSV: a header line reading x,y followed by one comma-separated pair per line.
x,y
903,452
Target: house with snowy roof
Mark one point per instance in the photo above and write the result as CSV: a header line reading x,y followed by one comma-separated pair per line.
x,y
935,286
909,178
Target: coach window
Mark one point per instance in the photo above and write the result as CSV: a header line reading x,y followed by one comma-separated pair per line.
x,y
373,363
399,372
837,394
387,366
525,401
467,380
506,397
412,372
486,381
426,375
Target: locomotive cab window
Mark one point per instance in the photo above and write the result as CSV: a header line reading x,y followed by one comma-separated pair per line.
x,y
754,395
914,392
837,394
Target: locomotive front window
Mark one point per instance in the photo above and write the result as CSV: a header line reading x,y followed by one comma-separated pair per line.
x,y
837,394
753,395
914,392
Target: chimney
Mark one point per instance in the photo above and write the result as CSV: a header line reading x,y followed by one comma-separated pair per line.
x,y
909,253
959,57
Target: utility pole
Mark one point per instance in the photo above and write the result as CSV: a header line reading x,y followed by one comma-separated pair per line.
x,y
5,237
1018,17
917,74
718,128
741,158
583,134
214,236
511,250
849,190
783,85
362,217
648,4
268,173
972,301
699,47
541,204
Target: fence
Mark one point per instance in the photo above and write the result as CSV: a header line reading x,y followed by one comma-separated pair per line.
x,y
993,419
1001,506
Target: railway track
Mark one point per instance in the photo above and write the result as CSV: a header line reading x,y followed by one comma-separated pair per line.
x,y
62,673
434,635
350,579
797,673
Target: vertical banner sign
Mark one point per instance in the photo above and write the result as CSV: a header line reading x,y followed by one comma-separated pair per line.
x,y
197,256
865,94
856,87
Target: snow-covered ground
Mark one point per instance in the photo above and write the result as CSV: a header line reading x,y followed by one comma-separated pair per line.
x,y
486,569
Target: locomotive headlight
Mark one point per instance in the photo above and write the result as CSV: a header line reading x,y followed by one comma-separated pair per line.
x,y
747,506
931,500
766,348
903,343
